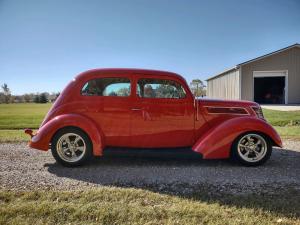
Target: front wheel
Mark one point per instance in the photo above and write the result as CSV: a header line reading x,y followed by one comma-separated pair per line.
x,y
71,147
251,149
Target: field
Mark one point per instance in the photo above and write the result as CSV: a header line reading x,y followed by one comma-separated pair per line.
x,y
281,119
16,117
20,116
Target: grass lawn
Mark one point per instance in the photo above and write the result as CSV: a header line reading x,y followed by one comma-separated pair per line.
x,y
281,118
13,136
23,115
111,205
288,132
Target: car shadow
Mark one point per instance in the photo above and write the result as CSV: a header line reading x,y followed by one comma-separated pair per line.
x,y
187,176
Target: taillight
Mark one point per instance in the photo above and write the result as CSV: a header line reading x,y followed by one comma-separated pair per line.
x,y
258,111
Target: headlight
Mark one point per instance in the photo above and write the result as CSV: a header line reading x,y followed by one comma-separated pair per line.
x,y
258,111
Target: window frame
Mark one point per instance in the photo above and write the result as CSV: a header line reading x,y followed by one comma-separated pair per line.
x,y
160,78
107,77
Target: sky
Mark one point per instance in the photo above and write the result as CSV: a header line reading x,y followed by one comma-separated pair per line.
x,y
45,44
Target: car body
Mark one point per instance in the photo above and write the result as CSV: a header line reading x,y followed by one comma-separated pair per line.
x,y
139,108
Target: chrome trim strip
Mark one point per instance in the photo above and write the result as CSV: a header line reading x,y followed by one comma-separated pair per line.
x,y
225,107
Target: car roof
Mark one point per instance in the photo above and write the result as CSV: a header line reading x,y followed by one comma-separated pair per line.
x,y
91,73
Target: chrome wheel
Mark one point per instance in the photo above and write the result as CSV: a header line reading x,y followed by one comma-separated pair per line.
x,y
71,147
252,147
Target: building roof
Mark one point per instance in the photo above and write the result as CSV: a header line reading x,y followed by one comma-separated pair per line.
x,y
255,59
222,73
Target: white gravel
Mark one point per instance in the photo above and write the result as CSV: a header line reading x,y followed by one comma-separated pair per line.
x,y
22,168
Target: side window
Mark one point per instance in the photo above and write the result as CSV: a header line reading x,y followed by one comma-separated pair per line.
x,y
110,86
159,88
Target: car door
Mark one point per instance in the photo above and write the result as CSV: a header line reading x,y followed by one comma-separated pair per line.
x,y
162,113
108,102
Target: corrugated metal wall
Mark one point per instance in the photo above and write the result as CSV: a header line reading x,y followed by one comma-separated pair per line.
x,y
226,86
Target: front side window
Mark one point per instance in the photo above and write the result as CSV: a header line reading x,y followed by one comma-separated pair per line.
x,y
110,86
159,88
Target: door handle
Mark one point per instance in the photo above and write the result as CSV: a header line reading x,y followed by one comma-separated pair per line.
x,y
136,109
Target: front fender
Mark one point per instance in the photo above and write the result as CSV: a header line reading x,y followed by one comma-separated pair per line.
x,y
44,135
217,142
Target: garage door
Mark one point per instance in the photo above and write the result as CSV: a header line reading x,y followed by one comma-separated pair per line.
x,y
270,87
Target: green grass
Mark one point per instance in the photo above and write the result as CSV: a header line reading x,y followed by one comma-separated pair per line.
x,y
13,136
112,205
281,118
20,116
289,132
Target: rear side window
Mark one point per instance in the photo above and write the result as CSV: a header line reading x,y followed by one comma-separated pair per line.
x,y
110,86
159,88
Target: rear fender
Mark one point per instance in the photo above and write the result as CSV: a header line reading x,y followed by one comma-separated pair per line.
x,y
44,135
217,142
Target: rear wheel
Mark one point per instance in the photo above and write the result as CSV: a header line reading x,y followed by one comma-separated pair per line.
x,y
71,147
252,149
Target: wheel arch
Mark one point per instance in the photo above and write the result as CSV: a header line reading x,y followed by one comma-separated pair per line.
x,y
217,142
45,134
71,127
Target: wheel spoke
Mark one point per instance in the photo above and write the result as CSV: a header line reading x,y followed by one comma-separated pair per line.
x,y
249,139
243,146
247,153
65,149
77,139
80,148
257,152
68,141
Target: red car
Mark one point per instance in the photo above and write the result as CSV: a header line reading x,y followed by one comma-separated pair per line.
x,y
150,109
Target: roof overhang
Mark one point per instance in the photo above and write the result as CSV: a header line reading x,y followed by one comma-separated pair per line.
x,y
272,53
222,73
253,60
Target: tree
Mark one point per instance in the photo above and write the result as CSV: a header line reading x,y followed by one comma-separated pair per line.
x,y
197,87
123,92
36,98
53,96
2,97
27,98
43,98
6,93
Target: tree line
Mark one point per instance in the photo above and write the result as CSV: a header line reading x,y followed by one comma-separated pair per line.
x,y
7,97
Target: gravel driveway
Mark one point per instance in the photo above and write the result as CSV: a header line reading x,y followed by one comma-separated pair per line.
x,y
22,168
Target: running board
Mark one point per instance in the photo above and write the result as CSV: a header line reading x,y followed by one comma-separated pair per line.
x,y
152,152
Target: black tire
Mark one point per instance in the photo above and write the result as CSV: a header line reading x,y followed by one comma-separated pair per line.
x,y
84,157
236,156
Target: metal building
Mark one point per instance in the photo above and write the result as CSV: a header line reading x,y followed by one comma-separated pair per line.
x,y
273,78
